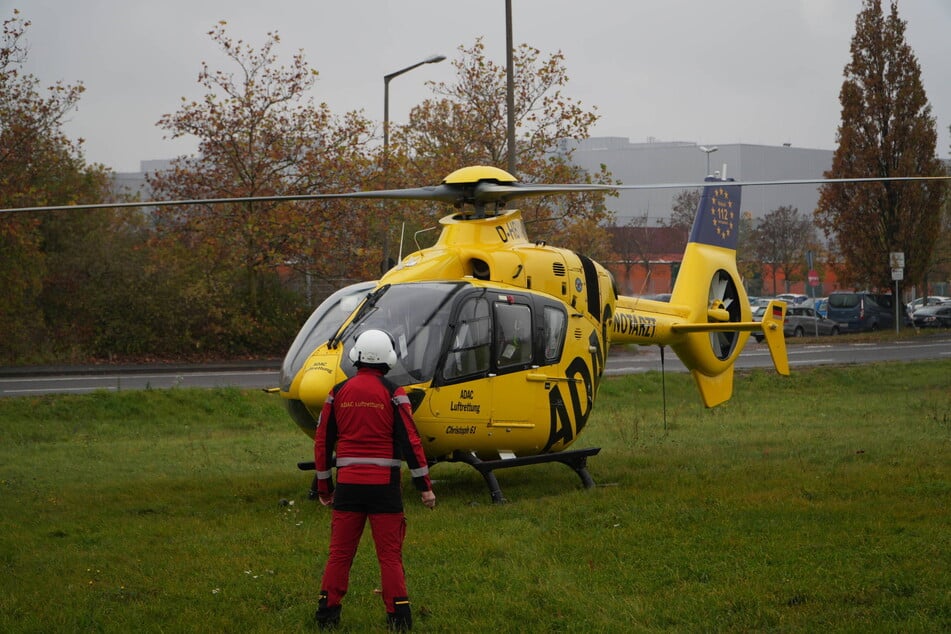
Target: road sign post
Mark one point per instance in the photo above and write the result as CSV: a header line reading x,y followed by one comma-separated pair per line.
x,y
896,259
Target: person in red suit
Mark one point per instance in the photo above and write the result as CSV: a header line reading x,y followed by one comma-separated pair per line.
x,y
368,421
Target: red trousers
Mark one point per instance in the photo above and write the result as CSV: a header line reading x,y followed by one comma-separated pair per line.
x,y
346,528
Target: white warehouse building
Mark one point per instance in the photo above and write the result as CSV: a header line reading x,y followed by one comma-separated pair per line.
x,y
686,162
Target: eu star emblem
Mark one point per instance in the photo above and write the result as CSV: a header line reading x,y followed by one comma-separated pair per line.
x,y
722,213
716,221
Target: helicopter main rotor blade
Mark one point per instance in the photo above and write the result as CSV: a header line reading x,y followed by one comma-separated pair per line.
x,y
496,192
480,192
419,193
796,181
454,194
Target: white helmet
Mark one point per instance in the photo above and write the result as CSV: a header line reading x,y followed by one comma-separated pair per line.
x,y
373,347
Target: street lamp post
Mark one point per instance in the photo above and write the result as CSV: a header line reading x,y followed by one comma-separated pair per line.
x,y
386,105
432,59
708,151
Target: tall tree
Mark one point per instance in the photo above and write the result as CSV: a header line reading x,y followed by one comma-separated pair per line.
x,y
886,130
940,269
466,124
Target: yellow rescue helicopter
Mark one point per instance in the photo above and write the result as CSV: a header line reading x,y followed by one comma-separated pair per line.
x,y
502,341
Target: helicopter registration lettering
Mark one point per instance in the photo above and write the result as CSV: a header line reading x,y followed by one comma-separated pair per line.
x,y
636,325
513,230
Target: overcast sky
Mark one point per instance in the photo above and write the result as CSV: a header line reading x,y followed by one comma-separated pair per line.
x,y
731,71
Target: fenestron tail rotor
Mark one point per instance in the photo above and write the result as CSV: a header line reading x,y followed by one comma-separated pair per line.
x,y
724,306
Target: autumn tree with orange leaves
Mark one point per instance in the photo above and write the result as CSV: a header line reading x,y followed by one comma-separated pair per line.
x,y
228,278
465,124
261,134
40,165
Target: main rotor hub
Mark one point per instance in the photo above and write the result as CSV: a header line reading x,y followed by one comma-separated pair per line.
x,y
475,173
482,186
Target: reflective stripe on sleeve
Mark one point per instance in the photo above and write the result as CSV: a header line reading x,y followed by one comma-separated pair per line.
x,y
401,399
380,462
419,473
324,475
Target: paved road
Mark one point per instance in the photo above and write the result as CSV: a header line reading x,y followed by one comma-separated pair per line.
x,y
78,380
831,351
265,374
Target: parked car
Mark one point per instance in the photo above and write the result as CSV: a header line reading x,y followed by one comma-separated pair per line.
x,y
930,300
858,311
792,298
936,316
803,321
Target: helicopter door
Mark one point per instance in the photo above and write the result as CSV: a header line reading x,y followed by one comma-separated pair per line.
x,y
513,396
462,395
483,389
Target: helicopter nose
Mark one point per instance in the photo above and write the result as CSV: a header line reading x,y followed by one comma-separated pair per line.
x,y
315,385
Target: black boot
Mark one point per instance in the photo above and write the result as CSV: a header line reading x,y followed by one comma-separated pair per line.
x,y
326,618
401,618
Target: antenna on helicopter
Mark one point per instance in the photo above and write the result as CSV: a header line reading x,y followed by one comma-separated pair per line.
x,y
399,257
663,387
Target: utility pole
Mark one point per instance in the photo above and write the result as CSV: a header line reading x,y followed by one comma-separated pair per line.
x,y
510,86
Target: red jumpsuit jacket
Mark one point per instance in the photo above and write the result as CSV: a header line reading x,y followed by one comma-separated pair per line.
x,y
369,421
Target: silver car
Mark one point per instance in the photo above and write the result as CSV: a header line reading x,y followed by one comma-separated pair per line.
x,y
803,321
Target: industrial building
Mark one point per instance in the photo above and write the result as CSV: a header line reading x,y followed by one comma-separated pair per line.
x,y
664,162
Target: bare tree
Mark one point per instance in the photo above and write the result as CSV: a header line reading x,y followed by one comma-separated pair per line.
x,y
780,241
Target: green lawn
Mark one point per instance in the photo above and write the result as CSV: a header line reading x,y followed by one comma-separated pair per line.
x,y
818,502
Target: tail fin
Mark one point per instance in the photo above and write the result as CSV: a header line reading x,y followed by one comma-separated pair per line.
x,y
720,318
773,331
708,319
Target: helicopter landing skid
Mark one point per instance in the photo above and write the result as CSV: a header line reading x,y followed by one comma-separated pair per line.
x,y
577,459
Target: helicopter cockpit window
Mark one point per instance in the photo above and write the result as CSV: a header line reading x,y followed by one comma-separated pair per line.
x,y
513,335
416,317
554,321
469,349
321,325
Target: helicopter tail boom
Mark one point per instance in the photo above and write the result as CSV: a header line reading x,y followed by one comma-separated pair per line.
x,y
708,319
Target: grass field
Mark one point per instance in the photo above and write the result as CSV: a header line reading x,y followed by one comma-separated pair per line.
x,y
819,502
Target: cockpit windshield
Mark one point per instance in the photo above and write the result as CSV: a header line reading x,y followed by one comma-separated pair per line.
x,y
321,325
416,316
